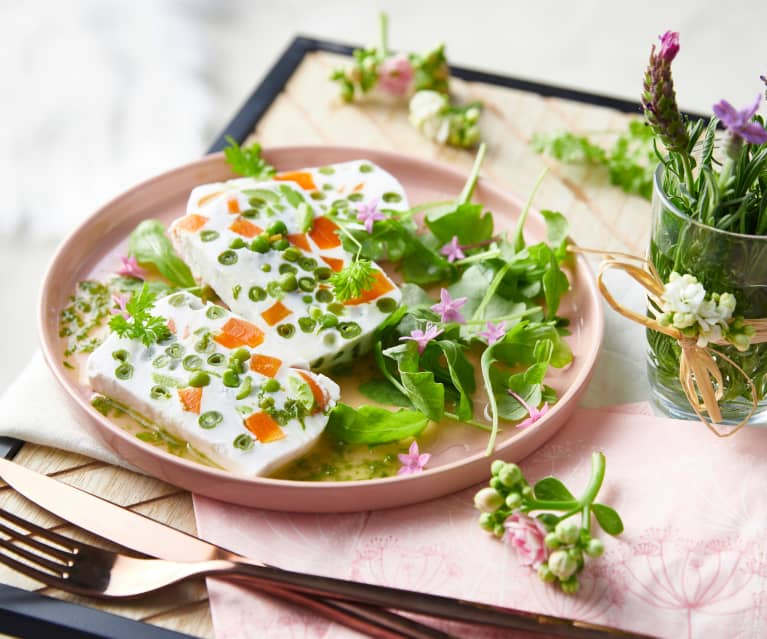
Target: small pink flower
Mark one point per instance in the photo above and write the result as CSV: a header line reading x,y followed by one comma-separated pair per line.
x,y
448,307
422,338
452,250
414,461
130,268
120,300
669,45
395,75
369,213
493,332
526,535
535,413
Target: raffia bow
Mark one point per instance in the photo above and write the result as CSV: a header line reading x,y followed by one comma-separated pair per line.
x,y
699,374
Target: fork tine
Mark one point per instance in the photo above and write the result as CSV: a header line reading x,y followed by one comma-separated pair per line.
x,y
29,540
14,545
65,542
33,557
34,573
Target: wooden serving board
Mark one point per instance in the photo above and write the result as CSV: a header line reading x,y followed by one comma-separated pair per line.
x,y
308,111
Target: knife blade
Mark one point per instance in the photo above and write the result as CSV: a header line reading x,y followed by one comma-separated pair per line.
x,y
150,537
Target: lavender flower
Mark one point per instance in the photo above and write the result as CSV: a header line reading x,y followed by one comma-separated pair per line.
x,y
120,300
659,99
448,307
739,123
131,268
368,214
452,250
493,332
422,338
413,461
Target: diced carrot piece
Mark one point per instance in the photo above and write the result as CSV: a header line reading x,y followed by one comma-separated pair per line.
x,y
233,206
320,398
172,326
275,313
265,365
324,233
302,178
237,332
207,198
263,426
191,398
300,240
186,332
243,227
191,223
333,262
358,188
380,287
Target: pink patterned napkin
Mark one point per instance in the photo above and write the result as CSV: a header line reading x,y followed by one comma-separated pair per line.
x,y
692,561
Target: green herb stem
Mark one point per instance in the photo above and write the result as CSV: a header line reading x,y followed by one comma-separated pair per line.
x,y
468,422
485,364
479,257
518,241
383,24
496,282
688,177
542,504
471,183
502,318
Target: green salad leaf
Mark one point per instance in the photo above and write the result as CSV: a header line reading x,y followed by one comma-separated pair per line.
x,y
374,425
151,247
247,161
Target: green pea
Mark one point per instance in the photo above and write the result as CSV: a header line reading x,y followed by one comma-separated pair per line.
x,y
244,442
247,386
307,284
256,201
274,289
307,263
256,294
124,371
288,282
261,244
177,300
355,197
217,359
192,363
277,228
326,170
210,419
287,268
281,244
250,213
266,403
323,273
175,350
323,296
291,254
237,243
317,195
366,168
236,291
241,354
391,197
215,312
328,320
209,235
307,299
336,308
327,187
306,324
271,385
231,379
315,313
386,304
236,365
161,361
266,268
227,258
349,330
199,379
159,392
286,330
340,204
120,355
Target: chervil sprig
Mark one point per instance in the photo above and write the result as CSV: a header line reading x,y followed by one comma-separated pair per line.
x,y
140,324
352,280
548,542
247,161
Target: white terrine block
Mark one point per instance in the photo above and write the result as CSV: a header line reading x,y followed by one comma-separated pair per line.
x,y
253,413
268,251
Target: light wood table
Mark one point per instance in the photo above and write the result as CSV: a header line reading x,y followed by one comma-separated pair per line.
x,y
308,111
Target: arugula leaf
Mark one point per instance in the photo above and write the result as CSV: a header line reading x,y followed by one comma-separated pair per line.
x,y
373,425
247,160
466,222
141,324
557,226
426,394
519,345
354,278
150,246
382,391
555,285
461,375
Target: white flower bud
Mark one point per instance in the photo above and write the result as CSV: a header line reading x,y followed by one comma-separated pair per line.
x,y
727,304
510,475
545,574
514,500
683,320
562,564
741,341
567,532
595,548
488,500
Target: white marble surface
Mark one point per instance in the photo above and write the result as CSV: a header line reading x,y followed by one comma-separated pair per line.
x,y
98,94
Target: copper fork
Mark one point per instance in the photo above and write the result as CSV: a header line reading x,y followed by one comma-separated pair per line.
x,y
74,566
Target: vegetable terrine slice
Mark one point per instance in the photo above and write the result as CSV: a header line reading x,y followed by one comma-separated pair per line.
x,y
268,251
220,383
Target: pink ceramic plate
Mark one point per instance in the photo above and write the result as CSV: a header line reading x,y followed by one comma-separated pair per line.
x,y
458,457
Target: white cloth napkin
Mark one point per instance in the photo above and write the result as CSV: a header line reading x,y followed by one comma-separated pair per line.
x,y
36,409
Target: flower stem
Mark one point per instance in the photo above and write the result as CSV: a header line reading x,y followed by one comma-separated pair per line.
x,y
502,318
491,291
471,183
518,241
592,489
479,257
688,178
469,422
383,21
